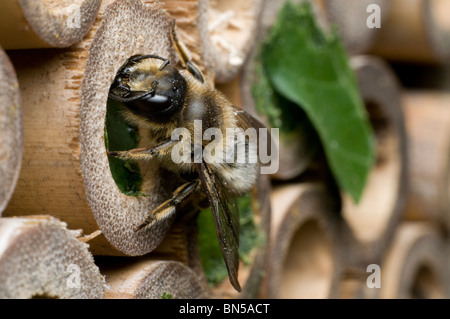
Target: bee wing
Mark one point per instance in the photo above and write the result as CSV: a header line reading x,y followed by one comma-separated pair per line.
x,y
226,219
245,121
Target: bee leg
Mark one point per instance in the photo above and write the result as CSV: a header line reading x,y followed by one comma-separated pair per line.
x,y
167,208
185,55
142,153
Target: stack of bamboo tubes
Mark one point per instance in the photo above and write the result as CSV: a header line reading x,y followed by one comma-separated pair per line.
x,y
63,216
393,243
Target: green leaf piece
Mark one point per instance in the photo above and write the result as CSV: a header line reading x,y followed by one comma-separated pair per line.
x,y
119,136
311,69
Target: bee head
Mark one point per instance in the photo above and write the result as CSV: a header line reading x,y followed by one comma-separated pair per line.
x,y
149,87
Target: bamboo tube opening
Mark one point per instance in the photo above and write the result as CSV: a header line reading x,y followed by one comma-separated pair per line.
x,y
232,26
308,267
117,213
415,264
304,260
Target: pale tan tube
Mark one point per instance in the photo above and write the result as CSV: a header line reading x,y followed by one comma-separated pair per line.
x,y
26,24
428,126
41,258
351,18
305,258
373,220
11,130
416,265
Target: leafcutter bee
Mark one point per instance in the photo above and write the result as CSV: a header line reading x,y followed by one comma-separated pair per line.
x,y
164,99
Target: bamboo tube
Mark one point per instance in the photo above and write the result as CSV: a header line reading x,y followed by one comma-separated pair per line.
x,y
416,264
41,258
305,254
150,278
11,139
351,19
427,116
26,24
373,220
66,171
233,28
415,31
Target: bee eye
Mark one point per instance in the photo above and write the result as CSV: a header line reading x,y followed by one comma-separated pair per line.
x,y
150,104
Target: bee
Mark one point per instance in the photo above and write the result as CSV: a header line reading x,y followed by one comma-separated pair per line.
x,y
162,98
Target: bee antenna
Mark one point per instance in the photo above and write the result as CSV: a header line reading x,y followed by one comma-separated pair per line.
x,y
184,54
163,66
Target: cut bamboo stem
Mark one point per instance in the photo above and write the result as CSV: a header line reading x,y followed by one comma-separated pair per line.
x,y
11,130
233,28
372,221
41,258
415,31
150,278
416,264
351,18
26,24
305,254
66,171
428,125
